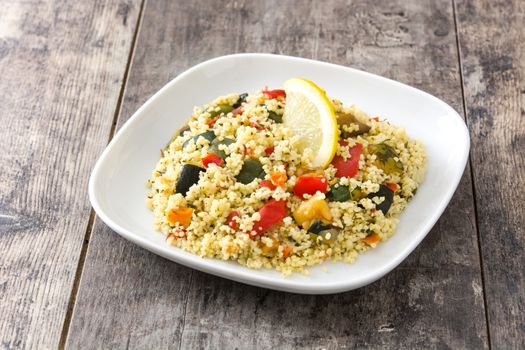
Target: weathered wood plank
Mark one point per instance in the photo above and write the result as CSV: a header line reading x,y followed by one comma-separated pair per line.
x,y
433,300
61,68
492,39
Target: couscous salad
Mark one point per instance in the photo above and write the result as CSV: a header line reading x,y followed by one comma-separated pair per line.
x,y
283,179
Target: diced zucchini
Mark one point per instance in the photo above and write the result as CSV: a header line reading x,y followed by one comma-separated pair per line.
x,y
223,109
208,135
338,193
189,176
357,194
317,226
241,100
388,194
180,132
275,117
386,158
251,169
214,148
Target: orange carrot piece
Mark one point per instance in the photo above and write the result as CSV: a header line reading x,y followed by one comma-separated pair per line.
x,y
372,238
181,216
278,178
287,251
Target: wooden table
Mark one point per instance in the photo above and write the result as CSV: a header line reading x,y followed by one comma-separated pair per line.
x,y
72,72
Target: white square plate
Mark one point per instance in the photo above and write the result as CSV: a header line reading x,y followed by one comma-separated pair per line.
x,y
117,184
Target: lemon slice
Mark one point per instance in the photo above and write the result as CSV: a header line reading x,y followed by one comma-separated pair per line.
x,y
310,115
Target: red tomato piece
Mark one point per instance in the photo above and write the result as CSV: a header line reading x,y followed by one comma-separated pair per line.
x,y
212,121
230,220
267,184
212,158
310,185
269,150
394,187
274,93
272,213
348,167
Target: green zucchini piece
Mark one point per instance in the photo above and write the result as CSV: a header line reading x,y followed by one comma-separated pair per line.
x,y
184,129
180,132
241,100
386,158
251,169
317,226
223,109
214,148
189,176
275,117
338,193
356,194
208,135
385,192
328,232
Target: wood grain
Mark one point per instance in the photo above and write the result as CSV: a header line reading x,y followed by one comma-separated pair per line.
x,y
61,69
131,298
493,57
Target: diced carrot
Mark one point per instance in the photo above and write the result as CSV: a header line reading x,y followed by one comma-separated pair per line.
x,y
375,119
287,251
181,216
271,249
278,178
248,151
372,238
394,187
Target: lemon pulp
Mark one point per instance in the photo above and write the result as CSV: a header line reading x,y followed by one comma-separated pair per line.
x,y
309,114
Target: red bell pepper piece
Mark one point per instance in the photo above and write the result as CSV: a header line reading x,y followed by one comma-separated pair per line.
x,y
231,219
272,213
269,150
274,93
348,167
212,158
310,185
212,121
267,184
394,187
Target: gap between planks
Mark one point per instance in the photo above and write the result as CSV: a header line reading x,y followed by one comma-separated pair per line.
x,y
476,226
89,228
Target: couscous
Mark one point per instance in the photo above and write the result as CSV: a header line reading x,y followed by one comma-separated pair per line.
x,y
235,185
